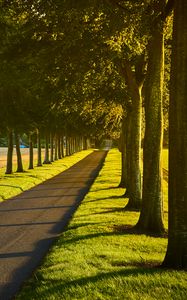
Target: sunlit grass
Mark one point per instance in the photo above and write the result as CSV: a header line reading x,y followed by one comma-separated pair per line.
x,y
96,258
11,185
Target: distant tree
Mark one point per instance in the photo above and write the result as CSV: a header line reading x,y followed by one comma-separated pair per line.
x,y
10,152
31,153
18,152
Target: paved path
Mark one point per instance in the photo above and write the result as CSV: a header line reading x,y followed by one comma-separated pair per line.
x,y
31,221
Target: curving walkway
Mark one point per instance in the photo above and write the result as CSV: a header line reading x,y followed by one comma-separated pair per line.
x,y
31,221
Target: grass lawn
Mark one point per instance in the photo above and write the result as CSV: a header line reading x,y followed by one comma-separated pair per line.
x,y
12,185
96,258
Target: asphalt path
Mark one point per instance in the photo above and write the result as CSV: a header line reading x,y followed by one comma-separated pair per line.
x,y
31,221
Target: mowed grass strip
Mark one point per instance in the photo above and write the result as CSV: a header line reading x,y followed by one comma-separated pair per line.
x,y
12,185
96,258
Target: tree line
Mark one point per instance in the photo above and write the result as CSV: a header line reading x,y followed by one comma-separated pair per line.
x,y
97,69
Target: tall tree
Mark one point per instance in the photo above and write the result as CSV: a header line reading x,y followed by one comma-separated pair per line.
x,y
176,256
135,84
151,216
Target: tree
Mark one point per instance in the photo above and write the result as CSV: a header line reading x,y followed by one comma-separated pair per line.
x,y
151,216
135,84
31,153
10,152
19,158
176,255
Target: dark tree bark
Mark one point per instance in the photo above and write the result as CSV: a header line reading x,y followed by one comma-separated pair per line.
x,y
70,145
176,255
62,146
129,158
51,147
10,152
85,144
31,155
67,146
59,147
46,159
151,216
56,147
81,143
18,152
73,145
123,149
39,164
134,85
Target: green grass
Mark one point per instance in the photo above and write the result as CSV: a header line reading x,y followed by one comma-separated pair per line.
x,y
96,258
12,185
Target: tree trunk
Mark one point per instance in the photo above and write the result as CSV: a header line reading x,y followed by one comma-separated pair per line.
x,y
18,152
176,255
134,187
67,146
31,156
39,164
134,84
81,143
123,182
85,145
59,147
128,154
62,146
56,147
46,159
51,147
10,152
151,216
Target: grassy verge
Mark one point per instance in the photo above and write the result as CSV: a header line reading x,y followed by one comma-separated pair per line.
x,y
95,259
11,185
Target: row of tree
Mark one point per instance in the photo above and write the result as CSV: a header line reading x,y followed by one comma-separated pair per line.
x,y
148,198
85,68
42,93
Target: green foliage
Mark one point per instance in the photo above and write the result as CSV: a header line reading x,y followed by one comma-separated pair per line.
x,y
57,55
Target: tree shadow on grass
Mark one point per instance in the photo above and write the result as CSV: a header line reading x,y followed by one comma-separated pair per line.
x,y
109,211
76,226
104,189
90,236
105,198
12,186
131,271
115,230
131,229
